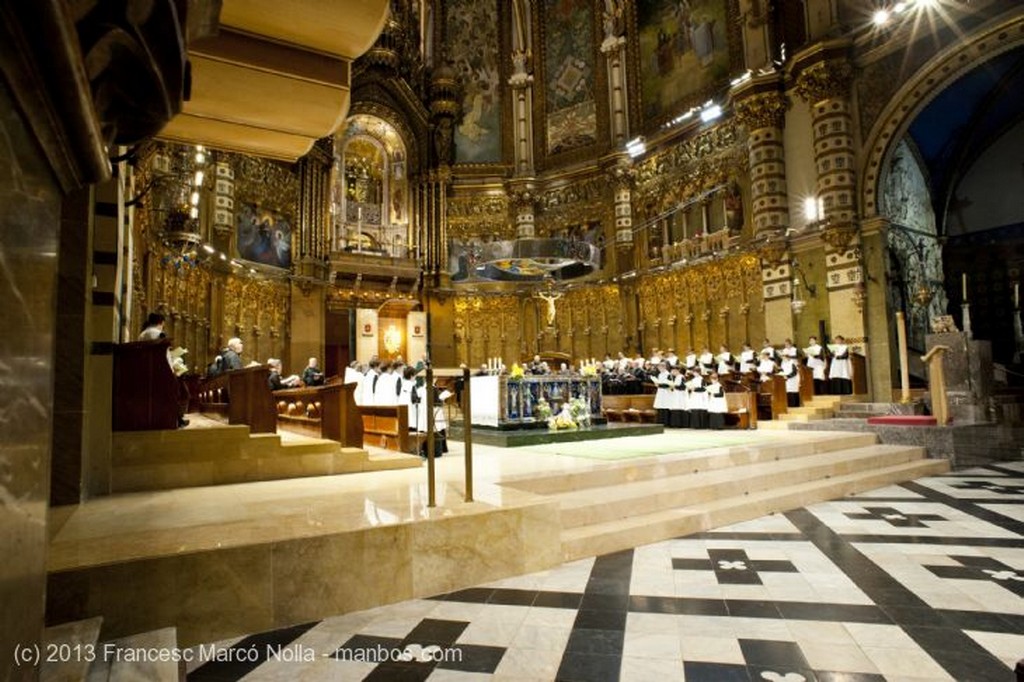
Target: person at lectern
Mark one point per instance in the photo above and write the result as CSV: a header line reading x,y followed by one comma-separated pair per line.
x,y
312,376
440,421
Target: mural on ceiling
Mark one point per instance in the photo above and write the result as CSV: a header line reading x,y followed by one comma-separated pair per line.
x,y
569,74
684,55
473,48
915,255
264,236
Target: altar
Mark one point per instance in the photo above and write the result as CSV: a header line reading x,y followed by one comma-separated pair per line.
x,y
501,402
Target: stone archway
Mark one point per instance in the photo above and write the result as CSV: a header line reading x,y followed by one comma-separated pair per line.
x,y
939,73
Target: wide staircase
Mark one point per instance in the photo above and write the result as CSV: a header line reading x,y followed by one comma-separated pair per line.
x,y
209,453
642,501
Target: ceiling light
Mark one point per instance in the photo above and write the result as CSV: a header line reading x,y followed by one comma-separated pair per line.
x,y
881,17
711,113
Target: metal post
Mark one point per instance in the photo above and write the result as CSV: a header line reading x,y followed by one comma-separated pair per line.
x,y
467,431
429,391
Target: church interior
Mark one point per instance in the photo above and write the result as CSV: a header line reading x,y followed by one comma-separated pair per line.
x,y
512,339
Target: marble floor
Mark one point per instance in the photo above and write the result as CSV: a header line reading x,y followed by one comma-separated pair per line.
x,y
919,581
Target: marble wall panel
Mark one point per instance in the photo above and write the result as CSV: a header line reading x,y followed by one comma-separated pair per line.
x,y
29,224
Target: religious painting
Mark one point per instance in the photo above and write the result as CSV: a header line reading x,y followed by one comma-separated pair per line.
x,y
684,55
569,74
473,48
263,236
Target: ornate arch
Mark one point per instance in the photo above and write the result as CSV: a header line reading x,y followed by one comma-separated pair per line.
x,y
938,74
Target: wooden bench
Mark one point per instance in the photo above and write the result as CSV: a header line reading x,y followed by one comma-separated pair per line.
x,y
387,426
145,390
742,404
328,412
243,397
629,408
771,398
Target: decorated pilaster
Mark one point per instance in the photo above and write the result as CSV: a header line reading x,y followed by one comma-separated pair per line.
x,y
825,86
776,280
523,201
623,175
613,47
444,109
762,111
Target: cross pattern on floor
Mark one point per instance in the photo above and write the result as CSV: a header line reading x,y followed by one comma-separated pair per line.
x,y
734,566
429,645
990,486
894,517
983,568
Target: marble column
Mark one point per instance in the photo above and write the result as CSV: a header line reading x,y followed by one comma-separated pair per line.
x,y
521,83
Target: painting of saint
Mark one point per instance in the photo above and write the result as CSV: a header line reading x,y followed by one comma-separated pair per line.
x,y
264,237
684,55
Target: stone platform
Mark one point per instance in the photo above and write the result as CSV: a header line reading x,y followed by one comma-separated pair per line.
x,y
517,438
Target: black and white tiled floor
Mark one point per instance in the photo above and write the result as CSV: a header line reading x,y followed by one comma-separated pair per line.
x,y
921,581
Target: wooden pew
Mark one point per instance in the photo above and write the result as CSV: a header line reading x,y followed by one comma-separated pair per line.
x,y
638,407
243,395
742,403
771,398
387,426
328,412
145,390
806,384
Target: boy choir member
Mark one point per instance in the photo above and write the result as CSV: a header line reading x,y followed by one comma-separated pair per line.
x,y
671,358
717,404
839,372
697,401
663,396
789,350
690,360
748,359
440,421
791,370
406,387
706,360
766,367
679,415
725,361
816,363
768,347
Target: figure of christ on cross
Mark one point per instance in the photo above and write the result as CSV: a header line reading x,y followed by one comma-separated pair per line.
x,y
550,297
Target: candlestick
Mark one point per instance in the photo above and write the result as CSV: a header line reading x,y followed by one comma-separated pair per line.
x,y
964,281
901,334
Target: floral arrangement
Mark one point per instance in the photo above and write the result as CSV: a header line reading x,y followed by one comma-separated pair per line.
x,y
589,371
580,411
542,410
516,373
561,421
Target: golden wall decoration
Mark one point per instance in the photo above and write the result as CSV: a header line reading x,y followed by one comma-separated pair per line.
x,y
474,216
684,308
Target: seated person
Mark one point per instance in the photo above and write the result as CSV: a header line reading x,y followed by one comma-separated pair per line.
x,y
231,356
154,331
276,381
312,376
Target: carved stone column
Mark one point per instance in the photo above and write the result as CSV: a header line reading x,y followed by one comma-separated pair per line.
x,y
521,82
614,49
524,205
622,175
825,86
763,113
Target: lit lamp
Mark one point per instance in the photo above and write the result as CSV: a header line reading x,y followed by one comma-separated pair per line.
x,y
922,295
797,303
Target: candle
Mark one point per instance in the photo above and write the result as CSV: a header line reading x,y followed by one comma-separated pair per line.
x,y
965,286
1016,295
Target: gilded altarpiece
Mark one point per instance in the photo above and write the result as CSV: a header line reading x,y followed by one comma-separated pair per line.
x,y
590,322
488,327
710,304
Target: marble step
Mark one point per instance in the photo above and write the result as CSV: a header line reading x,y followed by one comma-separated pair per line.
x,y
598,505
773,425
663,466
73,646
123,664
792,416
613,536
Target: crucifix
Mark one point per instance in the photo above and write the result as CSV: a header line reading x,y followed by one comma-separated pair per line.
x,y
550,296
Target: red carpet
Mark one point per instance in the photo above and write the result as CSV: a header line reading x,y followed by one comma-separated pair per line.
x,y
904,420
